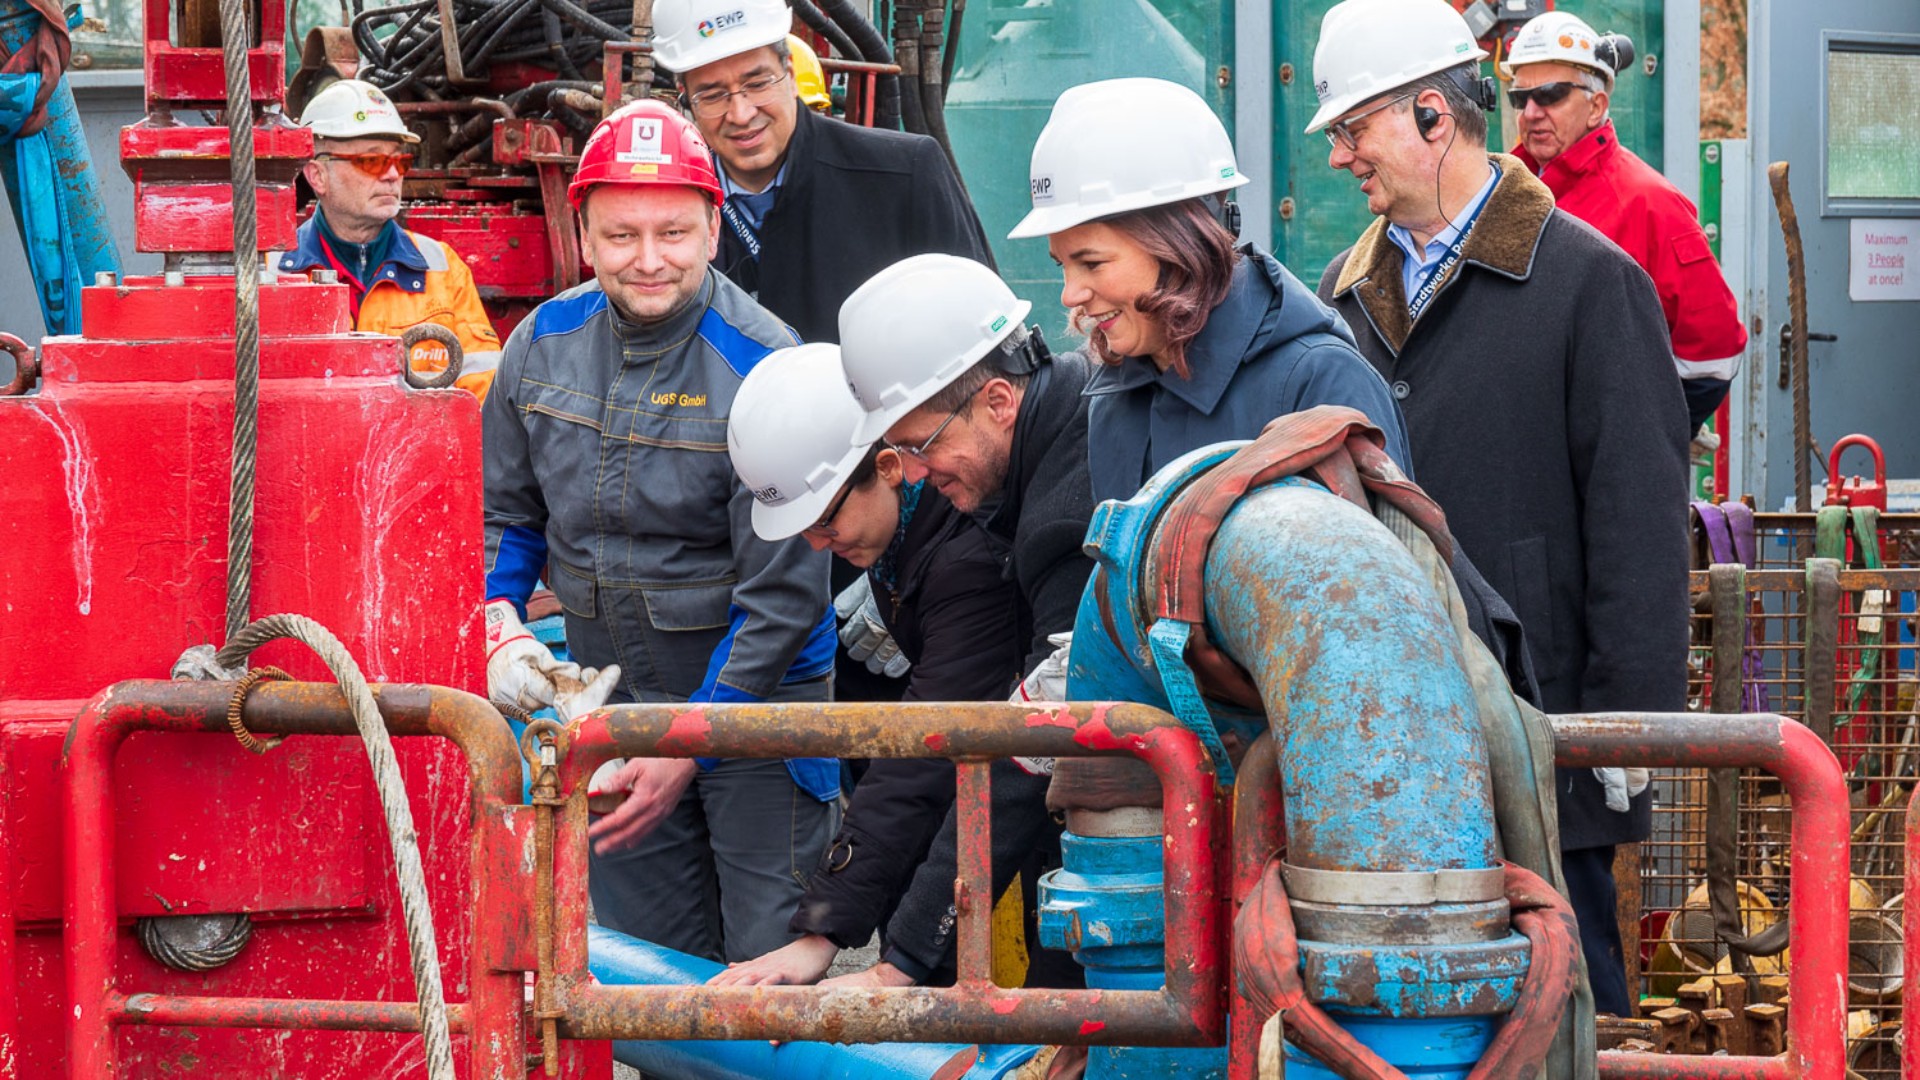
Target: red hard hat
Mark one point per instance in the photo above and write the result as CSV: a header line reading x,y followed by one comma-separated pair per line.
x,y
647,142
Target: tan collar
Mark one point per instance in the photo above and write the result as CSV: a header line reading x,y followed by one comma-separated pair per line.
x,y
1504,240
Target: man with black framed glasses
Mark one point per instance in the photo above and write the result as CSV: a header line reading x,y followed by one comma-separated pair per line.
x,y
814,206
395,279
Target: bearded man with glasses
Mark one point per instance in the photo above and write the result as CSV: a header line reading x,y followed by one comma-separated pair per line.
x,y
395,279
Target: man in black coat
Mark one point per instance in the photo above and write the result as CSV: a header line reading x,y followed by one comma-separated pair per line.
x,y
1531,360
814,206
935,349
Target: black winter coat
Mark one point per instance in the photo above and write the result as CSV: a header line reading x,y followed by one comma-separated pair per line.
x,y
1038,527
854,202
955,616
1547,420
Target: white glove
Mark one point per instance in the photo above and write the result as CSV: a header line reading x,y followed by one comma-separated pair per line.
x,y
572,700
1622,785
520,670
864,635
1047,682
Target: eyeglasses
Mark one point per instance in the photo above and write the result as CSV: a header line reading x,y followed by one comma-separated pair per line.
x,y
374,165
759,90
1546,95
824,526
919,453
1341,133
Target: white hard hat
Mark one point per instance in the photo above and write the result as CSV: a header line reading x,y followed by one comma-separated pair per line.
x,y
915,327
789,434
1557,35
355,109
1124,144
688,34
1369,47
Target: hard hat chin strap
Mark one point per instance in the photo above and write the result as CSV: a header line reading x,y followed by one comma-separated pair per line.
x,y
1022,352
1480,90
1227,213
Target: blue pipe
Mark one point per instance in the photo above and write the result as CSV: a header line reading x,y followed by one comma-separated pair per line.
x,y
1382,762
618,960
54,193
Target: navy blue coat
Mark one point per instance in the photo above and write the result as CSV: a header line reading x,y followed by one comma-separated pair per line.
x,y
1269,349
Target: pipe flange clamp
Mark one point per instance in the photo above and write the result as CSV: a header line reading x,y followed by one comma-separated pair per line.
x,y
1384,888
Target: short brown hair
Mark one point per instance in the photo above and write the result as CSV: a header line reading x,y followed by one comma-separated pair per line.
x,y
1196,259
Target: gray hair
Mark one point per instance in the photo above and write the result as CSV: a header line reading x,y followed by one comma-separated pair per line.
x,y
1468,118
955,396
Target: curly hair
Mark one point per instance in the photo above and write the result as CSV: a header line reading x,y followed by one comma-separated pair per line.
x,y
1196,258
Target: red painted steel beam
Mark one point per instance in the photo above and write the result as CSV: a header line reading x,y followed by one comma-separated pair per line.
x,y
1910,937
1820,845
95,1003
1259,831
180,1011
1188,1012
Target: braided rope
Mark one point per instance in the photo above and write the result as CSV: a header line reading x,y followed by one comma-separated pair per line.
x,y
236,34
393,804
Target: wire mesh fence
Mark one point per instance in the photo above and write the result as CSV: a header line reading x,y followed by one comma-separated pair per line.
x,y
1830,642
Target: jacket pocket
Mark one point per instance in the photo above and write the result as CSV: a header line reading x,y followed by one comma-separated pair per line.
x,y
1532,593
688,607
574,589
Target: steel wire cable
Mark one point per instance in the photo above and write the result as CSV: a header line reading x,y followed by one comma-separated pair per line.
x,y
392,790
235,36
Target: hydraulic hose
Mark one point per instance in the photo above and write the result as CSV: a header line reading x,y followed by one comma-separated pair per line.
x,y
392,789
818,22
933,92
873,49
906,53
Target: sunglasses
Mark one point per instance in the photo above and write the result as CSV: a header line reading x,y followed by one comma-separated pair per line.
x,y
374,165
1546,95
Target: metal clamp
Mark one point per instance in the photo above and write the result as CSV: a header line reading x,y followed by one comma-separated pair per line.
x,y
26,370
414,335
1387,887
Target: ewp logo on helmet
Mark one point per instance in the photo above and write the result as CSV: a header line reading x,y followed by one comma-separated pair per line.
x,y
1042,189
732,20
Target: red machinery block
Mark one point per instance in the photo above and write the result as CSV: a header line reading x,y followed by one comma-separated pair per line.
x,y
115,519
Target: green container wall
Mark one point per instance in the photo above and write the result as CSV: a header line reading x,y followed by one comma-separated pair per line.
x,y
1015,59
1328,212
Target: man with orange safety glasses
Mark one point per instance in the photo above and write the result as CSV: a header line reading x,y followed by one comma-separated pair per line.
x,y
396,279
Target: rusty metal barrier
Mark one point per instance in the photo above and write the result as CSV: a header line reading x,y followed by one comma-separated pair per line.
x,y
500,831
1189,1011
1820,841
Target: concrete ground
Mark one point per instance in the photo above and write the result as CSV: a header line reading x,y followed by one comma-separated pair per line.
x,y
849,960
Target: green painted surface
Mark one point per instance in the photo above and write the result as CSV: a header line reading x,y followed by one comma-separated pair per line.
x,y
1016,59
1709,199
1327,210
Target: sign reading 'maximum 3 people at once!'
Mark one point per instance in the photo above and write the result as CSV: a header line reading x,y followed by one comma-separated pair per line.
x,y
1884,259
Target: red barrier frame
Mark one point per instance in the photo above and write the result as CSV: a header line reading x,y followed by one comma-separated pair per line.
x,y
492,1013
1189,1011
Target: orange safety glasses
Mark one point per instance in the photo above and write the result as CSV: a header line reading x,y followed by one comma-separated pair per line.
x,y
374,165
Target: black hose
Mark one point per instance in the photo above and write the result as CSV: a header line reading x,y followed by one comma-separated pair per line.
x,y
953,48
499,35
585,20
933,94
563,111
556,47
818,22
873,49
906,53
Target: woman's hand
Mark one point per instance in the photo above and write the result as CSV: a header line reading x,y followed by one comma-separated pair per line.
x,y
797,963
879,975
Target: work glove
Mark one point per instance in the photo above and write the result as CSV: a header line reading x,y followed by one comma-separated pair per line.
x,y
864,634
1621,786
1704,444
1046,682
523,672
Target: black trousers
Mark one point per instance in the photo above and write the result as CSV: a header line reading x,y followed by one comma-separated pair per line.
x,y
1591,889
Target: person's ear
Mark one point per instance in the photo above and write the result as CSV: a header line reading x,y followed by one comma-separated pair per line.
x,y
316,177
1001,400
713,232
887,466
1598,115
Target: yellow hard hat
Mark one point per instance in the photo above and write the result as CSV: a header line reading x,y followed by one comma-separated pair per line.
x,y
808,79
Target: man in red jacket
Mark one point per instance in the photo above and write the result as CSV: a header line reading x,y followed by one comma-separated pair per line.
x,y
1562,78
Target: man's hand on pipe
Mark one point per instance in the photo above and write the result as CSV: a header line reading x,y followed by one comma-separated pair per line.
x,y
798,963
653,787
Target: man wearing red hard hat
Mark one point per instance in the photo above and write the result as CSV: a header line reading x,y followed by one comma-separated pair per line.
x,y
605,443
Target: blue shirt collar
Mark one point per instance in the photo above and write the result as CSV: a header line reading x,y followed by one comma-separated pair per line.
x,y
1417,261
408,266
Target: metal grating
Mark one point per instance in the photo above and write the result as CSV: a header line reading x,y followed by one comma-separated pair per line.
x,y
1834,648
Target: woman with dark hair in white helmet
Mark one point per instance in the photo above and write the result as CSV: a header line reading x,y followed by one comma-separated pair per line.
x,y
940,590
1197,340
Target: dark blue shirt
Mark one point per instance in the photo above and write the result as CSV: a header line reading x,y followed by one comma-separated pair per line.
x,y
1270,348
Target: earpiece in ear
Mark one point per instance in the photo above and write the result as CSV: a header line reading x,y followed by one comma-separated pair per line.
x,y
1425,118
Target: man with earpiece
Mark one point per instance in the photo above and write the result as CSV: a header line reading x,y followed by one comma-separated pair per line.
x,y
1562,82
1531,361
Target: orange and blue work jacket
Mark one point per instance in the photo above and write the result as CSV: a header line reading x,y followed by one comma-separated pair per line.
x,y
419,280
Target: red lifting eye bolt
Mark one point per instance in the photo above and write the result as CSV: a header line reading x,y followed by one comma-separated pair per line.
x,y
1855,491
